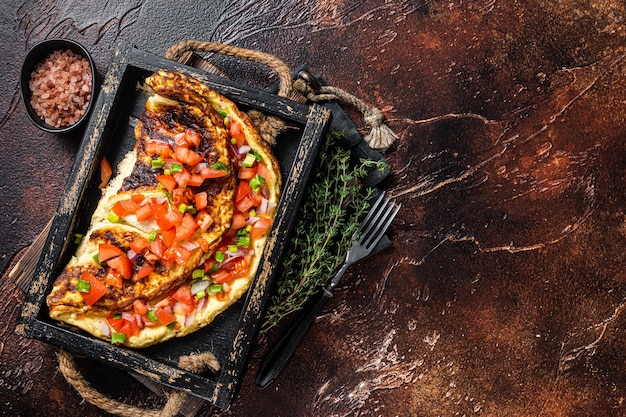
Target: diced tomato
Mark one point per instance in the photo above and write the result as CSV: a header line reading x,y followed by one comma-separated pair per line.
x,y
236,131
238,221
192,137
97,289
201,200
121,264
129,328
145,212
260,227
125,207
182,178
139,244
209,264
207,172
137,198
168,219
107,251
164,316
105,172
187,156
113,279
243,190
168,236
183,308
186,228
220,276
196,180
155,147
176,254
157,247
245,204
167,181
116,324
140,307
183,294
179,140
204,220
264,172
246,173
145,270
257,199
221,296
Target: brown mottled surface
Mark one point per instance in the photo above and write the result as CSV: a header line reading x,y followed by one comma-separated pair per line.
x,y
504,293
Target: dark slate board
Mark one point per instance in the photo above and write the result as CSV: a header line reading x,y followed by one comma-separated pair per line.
x,y
231,336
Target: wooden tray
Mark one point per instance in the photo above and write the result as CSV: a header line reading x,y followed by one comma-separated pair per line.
x,y
231,336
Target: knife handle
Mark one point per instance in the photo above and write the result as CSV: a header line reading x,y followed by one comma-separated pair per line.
x,y
279,356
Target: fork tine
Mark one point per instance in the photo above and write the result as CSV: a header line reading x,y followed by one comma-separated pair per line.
x,y
382,225
372,211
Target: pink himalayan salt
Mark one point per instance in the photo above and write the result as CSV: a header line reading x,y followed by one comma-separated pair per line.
x,y
61,88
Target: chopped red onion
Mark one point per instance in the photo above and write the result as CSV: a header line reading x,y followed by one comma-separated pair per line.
x,y
128,316
191,246
132,255
103,325
244,149
198,286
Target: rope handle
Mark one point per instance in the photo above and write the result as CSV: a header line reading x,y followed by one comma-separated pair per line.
x,y
176,52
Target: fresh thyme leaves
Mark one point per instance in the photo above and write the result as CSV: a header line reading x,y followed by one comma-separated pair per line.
x,y
329,216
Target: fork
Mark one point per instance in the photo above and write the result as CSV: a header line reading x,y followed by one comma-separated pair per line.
x,y
372,229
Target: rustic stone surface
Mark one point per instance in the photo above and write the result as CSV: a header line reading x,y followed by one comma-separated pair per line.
x,y
504,292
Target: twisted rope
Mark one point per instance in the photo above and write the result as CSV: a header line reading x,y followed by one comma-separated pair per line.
x,y
176,399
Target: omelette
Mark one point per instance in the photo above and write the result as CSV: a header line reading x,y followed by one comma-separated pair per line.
x,y
178,233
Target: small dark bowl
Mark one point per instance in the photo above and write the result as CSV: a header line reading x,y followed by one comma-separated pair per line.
x,y
37,54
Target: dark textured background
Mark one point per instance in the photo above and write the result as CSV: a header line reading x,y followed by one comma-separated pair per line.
x,y
504,291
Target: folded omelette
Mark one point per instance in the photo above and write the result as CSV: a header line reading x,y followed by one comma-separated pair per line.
x,y
178,233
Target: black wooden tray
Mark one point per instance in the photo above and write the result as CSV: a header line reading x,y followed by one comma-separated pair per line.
x,y
231,336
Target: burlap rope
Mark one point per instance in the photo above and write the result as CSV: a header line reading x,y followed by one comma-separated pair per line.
x,y
380,137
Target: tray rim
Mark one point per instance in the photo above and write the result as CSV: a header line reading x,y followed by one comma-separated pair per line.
x,y
222,390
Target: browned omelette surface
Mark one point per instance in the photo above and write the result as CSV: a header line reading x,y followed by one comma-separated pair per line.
x,y
178,233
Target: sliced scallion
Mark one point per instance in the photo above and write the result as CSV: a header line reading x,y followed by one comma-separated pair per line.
x,y
176,167
197,274
83,286
249,160
220,256
158,163
118,338
151,316
113,218
213,288
152,236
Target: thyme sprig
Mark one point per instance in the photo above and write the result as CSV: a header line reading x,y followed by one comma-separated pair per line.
x,y
329,216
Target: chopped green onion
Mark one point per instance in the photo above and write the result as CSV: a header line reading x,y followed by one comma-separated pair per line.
x,y
83,286
158,163
257,155
213,269
201,294
118,338
233,141
182,207
220,256
152,236
113,218
117,316
223,113
95,258
256,182
213,288
220,166
167,172
249,160
197,273
243,241
172,325
252,213
151,315
78,237
176,167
